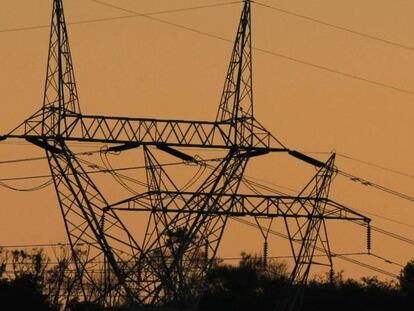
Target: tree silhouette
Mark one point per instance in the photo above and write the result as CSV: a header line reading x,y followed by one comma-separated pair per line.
x,y
29,280
407,278
24,289
247,286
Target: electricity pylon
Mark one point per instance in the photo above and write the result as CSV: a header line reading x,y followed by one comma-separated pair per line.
x,y
185,227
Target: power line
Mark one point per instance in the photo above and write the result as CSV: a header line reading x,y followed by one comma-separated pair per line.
x,y
26,143
345,174
399,237
113,171
374,228
375,165
256,184
387,260
392,235
350,176
337,27
265,51
97,20
269,52
368,183
85,145
385,218
107,170
35,188
101,170
22,160
102,200
342,257
44,158
250,180
336,255
388,233
368,163
34,246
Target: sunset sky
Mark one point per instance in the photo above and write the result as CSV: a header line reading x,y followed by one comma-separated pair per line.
x,y
335,76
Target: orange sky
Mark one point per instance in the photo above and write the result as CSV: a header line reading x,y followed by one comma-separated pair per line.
x,y
138,67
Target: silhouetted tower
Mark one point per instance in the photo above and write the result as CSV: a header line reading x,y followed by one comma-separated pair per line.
x,y
185,226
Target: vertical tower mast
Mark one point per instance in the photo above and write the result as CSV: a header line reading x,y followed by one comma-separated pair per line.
x,y
60,86
60,95
236,104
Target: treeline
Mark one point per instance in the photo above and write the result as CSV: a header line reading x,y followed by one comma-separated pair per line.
x,y
250,287
29,280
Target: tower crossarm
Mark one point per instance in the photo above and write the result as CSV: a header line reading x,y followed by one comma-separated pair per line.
x,y
145,131
239,205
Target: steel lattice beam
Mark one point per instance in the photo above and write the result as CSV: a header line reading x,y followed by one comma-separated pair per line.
x,y
123,130
244,205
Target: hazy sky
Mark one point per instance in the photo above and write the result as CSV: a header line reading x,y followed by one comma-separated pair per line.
x,y
144,68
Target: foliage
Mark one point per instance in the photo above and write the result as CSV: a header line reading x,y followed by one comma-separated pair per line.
x,y
248,286
29,280
407,279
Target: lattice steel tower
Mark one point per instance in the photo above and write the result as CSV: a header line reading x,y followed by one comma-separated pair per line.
x,y
168,265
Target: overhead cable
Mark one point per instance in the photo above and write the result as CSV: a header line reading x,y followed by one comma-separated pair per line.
x,y
334,26
265,51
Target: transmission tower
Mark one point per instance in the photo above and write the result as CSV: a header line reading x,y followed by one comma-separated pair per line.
x,y
168,265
